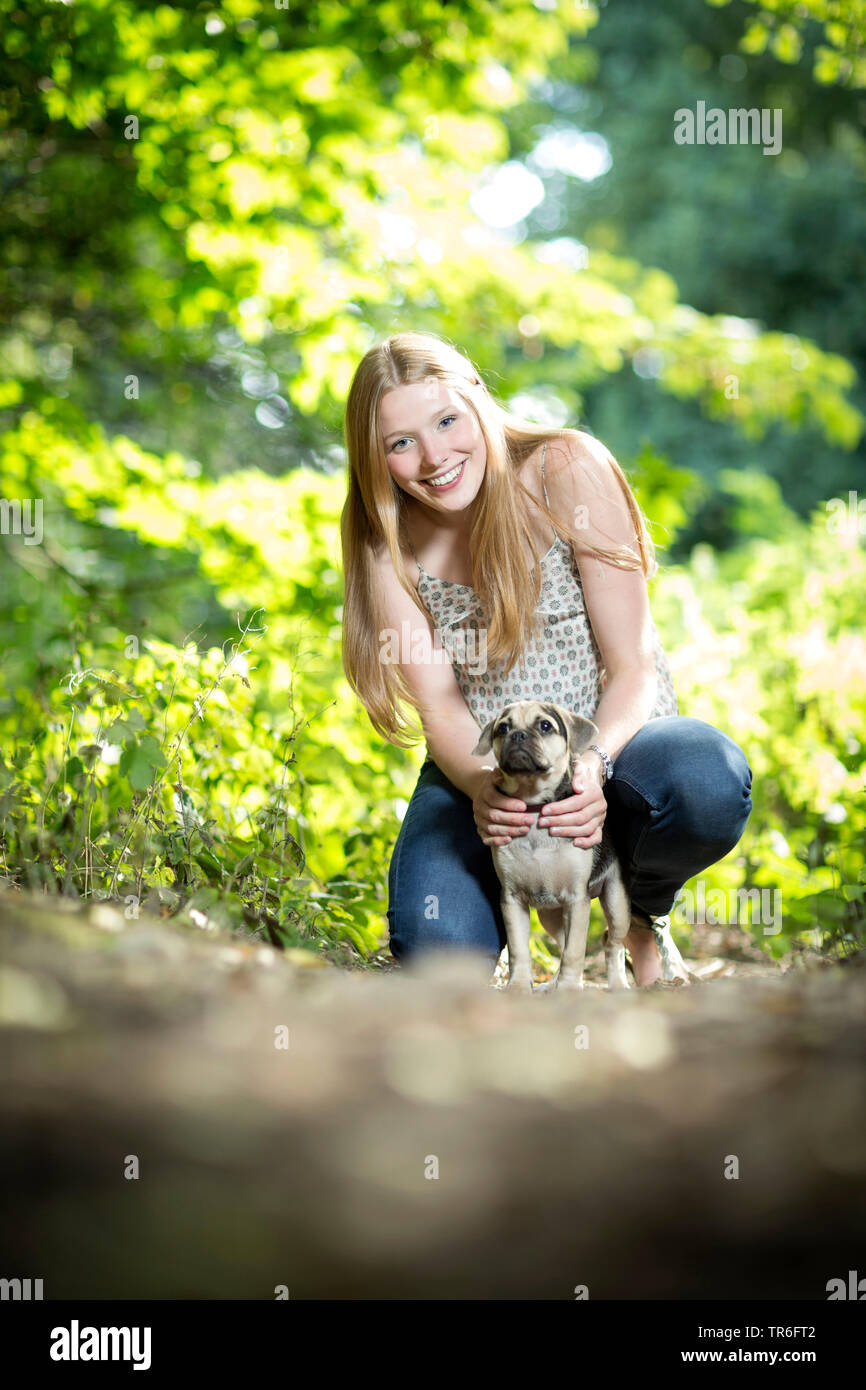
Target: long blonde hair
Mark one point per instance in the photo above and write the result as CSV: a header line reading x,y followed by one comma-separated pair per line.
x,y
373,516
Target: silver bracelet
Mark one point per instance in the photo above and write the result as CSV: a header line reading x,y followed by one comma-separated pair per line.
x,y
605,759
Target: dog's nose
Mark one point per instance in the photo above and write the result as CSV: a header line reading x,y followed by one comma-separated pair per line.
x,y
518,735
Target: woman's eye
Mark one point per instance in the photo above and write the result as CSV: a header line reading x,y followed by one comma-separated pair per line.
x,y
402,439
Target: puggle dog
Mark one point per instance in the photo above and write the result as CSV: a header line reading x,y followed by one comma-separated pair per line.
x,y
536,745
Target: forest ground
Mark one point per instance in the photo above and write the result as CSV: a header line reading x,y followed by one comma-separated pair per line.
x,y
417,1133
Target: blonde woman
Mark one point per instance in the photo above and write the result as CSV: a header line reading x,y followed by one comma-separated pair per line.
x,y
489,560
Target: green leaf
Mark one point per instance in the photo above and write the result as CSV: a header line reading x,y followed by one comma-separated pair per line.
x,y
125,728
268,866
140,761
210,864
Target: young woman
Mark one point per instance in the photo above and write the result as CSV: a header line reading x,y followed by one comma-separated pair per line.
x,y
462,595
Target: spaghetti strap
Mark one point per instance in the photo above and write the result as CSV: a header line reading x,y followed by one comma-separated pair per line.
x,y
557,539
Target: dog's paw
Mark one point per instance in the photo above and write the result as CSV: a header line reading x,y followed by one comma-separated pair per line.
x,y
616,961
567,985
520,985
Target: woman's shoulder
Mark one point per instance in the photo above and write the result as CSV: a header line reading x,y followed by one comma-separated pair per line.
x,y
534,470
576,447
587,488
579,465
561,457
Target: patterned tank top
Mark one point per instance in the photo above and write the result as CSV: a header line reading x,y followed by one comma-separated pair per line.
x,y
564,664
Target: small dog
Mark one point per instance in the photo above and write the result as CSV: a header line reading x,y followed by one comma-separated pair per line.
x,y
536,745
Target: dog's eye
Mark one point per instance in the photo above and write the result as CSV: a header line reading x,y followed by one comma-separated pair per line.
x,y
502,729
545,726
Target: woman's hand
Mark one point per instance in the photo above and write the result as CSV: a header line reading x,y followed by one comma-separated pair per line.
x,y
498,817
581,815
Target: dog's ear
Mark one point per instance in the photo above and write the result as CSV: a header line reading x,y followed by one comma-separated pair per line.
x,y
581,733
485,743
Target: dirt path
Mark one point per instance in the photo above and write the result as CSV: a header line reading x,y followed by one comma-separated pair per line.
x,y
422,1135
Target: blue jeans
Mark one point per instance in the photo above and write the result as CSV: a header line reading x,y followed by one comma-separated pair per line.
x,y
678,801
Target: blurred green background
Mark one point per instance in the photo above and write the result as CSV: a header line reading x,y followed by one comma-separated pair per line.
x,y
210,211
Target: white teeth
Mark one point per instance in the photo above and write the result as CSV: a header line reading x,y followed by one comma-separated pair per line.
x,y
446,477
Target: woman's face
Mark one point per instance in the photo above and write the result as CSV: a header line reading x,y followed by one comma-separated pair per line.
x,y
433,444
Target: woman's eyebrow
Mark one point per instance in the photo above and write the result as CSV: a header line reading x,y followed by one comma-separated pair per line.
x,y
430,420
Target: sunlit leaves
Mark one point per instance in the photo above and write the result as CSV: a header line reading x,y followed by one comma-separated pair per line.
x,y
781,26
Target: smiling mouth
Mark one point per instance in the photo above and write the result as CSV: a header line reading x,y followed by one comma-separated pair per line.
x,y
445,479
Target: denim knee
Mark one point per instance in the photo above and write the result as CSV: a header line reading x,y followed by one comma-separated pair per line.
x,y
442,886
711,788
417,935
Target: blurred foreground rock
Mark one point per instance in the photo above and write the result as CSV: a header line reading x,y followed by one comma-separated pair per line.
x,y
564,1157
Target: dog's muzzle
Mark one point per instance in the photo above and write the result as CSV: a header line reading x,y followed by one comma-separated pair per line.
x,y
518,755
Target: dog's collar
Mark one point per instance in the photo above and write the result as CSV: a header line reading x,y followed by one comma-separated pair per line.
x,y
562,790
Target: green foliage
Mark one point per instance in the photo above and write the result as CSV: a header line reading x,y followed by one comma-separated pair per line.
x,y
157,769
164,787
766,642
263,195
753,239
780,25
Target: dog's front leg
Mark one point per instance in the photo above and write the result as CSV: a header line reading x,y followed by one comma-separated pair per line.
x,y
575,920
617,910
517,928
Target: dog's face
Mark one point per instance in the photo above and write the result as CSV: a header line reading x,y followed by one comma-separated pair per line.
x,y
535,739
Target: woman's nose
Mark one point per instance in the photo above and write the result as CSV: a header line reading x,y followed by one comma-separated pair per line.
x,y
431,453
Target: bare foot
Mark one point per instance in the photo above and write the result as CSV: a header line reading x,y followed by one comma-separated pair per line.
x,y
646,961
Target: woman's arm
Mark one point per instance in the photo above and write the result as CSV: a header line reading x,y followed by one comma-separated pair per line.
x,y
584,491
